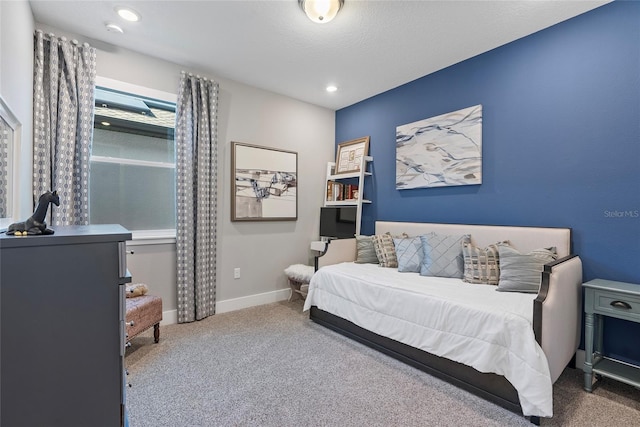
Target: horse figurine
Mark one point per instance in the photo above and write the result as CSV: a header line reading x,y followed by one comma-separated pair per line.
x,y
35,224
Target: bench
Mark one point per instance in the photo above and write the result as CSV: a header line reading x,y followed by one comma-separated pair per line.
x,y
143,312
299,276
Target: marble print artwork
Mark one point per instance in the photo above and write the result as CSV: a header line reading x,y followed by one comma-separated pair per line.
x,y
441,151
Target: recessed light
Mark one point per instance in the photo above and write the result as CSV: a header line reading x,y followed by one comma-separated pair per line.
x,y
105,123
113,28
128,14
331,88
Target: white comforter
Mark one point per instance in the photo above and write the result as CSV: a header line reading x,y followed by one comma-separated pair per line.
x,y
468,323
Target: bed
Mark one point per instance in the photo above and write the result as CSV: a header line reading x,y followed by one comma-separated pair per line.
x,y
507,347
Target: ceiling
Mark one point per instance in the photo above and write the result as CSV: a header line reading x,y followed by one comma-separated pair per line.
x,y
370,47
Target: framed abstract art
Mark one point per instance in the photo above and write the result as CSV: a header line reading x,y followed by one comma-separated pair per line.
x,y
263,183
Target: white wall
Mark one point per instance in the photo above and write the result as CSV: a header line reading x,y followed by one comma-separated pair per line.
x,y
246,114
16,87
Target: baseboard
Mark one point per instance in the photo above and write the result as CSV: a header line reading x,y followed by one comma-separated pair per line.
x,y
252,300
170,317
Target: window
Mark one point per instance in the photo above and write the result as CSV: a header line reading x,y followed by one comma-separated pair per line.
x,y
9,145
132,180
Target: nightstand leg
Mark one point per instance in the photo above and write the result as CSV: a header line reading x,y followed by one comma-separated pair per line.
x,y
588,351
599,334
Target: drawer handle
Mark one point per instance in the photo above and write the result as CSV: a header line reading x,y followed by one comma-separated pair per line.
x,y
620,304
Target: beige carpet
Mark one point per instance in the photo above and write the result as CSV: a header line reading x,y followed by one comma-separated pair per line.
x,y
272,366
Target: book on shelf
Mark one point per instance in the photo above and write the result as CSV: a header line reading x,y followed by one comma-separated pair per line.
x,y
337,191
353,191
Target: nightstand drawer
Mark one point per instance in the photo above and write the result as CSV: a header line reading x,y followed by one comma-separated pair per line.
x,y
617,305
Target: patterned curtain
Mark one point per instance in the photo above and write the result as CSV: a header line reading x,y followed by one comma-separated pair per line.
x,y
197,198
5,145
63,99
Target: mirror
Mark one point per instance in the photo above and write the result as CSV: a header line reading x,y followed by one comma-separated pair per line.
x,y
9,147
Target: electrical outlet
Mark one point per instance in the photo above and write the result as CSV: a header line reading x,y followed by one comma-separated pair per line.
x,y
236,273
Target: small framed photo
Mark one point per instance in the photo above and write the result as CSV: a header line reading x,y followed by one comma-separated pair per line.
x,y
350,155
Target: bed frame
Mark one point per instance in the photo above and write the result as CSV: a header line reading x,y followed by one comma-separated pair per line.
x,y
558,303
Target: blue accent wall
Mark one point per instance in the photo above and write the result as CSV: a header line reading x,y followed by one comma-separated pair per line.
x,y
560,136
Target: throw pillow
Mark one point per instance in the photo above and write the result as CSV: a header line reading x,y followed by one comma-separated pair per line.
x,y
481,265
523,272
409,254
442,255
366,253
386,250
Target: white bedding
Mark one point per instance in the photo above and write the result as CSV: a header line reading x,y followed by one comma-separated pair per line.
x,y
468,323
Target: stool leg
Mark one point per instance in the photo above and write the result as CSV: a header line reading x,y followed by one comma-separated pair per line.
x,y
156,332
295,290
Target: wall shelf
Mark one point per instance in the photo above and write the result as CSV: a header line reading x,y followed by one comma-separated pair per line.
x,y
360,177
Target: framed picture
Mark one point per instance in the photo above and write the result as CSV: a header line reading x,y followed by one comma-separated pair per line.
x,y
264,183
350,155
441,151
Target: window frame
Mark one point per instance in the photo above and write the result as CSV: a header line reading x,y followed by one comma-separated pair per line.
x,y
141,237
13,163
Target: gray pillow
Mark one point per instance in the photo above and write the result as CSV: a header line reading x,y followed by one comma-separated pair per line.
x,y
366,253
523,272
442,255
409,254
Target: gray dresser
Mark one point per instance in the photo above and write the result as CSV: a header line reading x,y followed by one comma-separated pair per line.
x,y
62,320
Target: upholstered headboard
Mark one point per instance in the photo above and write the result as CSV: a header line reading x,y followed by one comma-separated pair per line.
x,y
524,239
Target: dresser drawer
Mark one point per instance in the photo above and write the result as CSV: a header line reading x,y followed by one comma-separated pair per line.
x,y
617,305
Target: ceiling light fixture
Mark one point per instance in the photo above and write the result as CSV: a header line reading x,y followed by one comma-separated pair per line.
x,y
128,14
321,11
113,28
331,88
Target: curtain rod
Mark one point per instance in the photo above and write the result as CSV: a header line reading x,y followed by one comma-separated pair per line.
x,y
198,76
51,36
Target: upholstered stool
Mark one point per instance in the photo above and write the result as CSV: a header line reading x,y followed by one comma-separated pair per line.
x,y
144,312
299,276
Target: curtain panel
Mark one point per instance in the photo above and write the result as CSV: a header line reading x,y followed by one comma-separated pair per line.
x,y
196,193
5,162
63,105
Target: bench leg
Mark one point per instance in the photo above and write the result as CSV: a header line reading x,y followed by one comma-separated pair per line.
x,y
156,332
295,290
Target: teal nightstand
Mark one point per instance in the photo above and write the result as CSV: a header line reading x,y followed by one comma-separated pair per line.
x,y
613,299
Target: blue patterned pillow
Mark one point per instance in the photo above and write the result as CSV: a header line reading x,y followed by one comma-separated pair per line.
x,y
442,255
409,254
